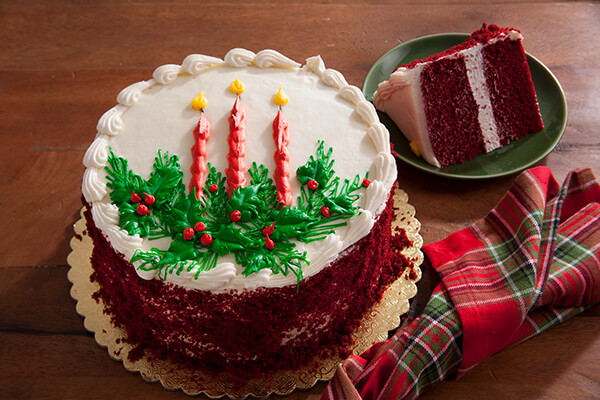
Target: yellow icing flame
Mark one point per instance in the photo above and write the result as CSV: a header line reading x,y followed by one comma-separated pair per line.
x,y
414,146
236,87
281,98
199,102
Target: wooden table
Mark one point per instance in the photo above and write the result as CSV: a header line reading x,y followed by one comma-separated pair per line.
x,y
62,65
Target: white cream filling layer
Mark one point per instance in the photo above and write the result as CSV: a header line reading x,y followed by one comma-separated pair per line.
x,y
156,114
481,94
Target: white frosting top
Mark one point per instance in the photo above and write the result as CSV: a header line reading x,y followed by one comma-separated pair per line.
x,y
156,114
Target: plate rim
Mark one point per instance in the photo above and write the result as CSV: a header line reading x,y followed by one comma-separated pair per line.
x,y
424,166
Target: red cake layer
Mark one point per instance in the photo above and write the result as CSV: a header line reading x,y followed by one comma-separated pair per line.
x,y
249,333
511,90
451,111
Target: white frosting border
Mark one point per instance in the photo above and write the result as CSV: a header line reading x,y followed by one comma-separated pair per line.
x,y
225,275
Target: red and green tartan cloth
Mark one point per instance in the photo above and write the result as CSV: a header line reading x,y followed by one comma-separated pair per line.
x,y
531,263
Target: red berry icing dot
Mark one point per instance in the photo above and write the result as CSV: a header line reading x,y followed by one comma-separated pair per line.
x,y
206,239
142,210
325,212
269,229
235,216
313,185
135,198
149,199
269,244
213,188
188,234
200,226
366,182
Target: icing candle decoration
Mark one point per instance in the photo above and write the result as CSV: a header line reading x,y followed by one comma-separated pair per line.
x,y
237,141
281,135
201,135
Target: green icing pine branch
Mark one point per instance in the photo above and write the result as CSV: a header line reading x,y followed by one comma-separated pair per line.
x,y
251,224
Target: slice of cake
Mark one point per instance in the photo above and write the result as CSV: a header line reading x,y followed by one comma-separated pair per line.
x,y
470,99
240,211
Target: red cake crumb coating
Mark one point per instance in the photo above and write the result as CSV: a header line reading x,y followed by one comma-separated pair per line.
x,y
242,332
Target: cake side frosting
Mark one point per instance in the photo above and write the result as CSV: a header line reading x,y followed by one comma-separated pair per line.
x,y
155,114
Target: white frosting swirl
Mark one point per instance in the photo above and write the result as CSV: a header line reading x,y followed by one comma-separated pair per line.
x,y
97,154
367,112
239,58
334,78
148,275
214,279
331,245
105,214
273,59
93,187
132,93
376,195
111,122
315,64
384,169
120,239
380,137
195,64
166,73
361,225
399,79
352,94
261,278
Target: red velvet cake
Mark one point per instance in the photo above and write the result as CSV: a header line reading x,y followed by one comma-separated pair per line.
x,y
470,99
231,232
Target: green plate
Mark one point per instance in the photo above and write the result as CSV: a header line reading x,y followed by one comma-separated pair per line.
x,y
506,160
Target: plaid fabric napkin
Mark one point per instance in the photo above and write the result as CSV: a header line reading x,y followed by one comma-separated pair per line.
x,y
533,262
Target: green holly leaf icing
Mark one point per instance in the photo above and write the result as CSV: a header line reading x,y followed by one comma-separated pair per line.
x,y
256,200
185,213
121,180
214,211
229,239
166,181
283,259
173,211
247,201
340,204
181,250
320,169
291,222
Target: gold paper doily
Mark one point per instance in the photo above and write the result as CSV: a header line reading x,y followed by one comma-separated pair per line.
x,y
383,317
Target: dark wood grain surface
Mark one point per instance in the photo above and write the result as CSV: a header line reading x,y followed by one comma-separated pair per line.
x,y
62,63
